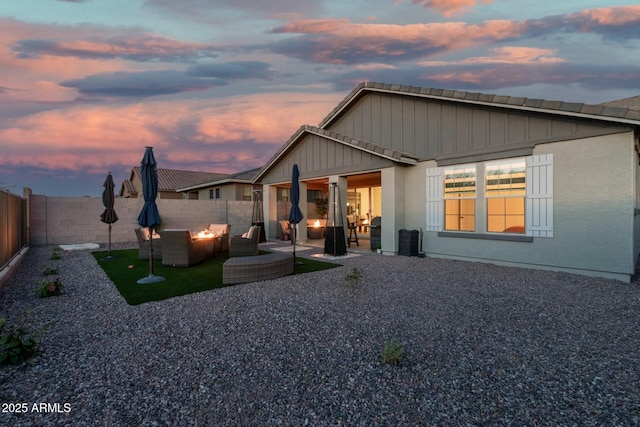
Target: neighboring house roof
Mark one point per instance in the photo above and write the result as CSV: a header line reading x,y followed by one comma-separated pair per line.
x,y
171,179
632,102
244,177
128,188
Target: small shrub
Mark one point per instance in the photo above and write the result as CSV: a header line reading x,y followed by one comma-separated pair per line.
x,y
392,352
49,288
50,271
55,254
17,344
355,277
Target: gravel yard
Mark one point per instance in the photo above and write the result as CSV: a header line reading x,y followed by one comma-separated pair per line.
x,y
483,345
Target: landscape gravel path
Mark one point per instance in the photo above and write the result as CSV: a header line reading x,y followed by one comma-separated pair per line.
x,y
483,345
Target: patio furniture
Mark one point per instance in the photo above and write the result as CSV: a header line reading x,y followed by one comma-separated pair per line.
x,y
245,269
142,234
353,235
286,229
375,231
181,250
315,228
222,232
246,244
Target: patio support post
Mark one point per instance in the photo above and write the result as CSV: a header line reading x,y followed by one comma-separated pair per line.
x,y
270,207
393,219
302,227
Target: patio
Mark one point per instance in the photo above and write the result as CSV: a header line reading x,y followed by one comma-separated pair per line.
x,y
483,345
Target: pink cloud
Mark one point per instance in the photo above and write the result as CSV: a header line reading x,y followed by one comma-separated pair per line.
x,y
313,26
450,7
36,79
225,135
130,46
346,42
505,55
607,16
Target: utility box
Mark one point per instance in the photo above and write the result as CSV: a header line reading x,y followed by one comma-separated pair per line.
x,y
408,242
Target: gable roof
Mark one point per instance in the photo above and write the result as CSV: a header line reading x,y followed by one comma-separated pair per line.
x,y
611,113
632,102
173,179
626,111
244,177
127,187
375,149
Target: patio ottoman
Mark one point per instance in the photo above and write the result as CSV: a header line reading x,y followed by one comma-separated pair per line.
x,y
245,269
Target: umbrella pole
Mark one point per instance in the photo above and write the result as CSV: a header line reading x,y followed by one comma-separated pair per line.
x,y
151,278
150,251
109,240
295,236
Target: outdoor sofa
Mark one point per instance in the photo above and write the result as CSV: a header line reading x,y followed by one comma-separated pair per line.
x,y
246,244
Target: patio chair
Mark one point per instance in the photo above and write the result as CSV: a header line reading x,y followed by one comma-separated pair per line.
x,y
181,250
286,230
246,244
223,231
142,234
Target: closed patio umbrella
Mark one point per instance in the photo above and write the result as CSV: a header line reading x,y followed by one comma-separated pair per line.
x,y
295,215
149,216
109,215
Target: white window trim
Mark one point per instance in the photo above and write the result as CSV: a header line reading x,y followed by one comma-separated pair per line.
x,y
435,199
539,203
538,199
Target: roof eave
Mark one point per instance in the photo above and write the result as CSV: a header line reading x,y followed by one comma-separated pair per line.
x,y
215,183
620,115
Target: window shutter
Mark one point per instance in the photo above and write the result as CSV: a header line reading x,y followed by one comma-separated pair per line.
x,y
435,194
540,195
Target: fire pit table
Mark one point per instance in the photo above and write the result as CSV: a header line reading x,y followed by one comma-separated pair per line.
x,y
315,232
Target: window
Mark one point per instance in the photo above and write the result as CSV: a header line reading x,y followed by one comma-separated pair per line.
x,y
313,195
460,198
246,193
518,194
211,193
283,194
505,192
217,193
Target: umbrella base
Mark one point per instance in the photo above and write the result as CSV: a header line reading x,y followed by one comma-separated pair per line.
x,y
151,279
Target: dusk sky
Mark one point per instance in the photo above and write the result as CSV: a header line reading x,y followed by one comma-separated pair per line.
x,y
220,85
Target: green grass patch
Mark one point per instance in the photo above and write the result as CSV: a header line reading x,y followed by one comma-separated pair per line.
x,y
180,280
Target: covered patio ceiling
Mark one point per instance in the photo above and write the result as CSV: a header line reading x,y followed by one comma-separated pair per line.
x,y
363,180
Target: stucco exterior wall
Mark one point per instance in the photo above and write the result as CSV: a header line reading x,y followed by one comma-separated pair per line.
x,y
68,220
593,197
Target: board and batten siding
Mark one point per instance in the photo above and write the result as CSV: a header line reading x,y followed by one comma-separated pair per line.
x,y
431,129
317,156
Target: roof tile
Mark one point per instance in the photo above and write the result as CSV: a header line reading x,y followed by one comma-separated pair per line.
x,y
172,179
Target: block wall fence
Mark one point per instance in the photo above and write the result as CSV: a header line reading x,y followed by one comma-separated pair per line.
x,y
70,220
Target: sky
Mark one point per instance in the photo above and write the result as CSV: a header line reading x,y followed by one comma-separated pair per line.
x,y
221,85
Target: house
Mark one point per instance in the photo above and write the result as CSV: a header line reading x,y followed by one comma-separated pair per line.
x,y
508,180
238,186
169,183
